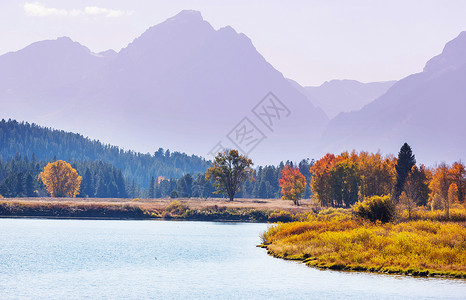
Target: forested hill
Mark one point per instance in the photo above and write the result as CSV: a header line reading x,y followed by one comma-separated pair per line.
x,y
47,144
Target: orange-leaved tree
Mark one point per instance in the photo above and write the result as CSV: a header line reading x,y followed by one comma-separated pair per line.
x,y
349,177
453,193
293,184
61,179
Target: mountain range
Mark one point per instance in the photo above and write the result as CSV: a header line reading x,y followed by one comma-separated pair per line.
x,y
185,86
336,96
181,85
426,109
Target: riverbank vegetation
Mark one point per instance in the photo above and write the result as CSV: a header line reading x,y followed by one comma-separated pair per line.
x,y
349,178
386,215
248,210
336,239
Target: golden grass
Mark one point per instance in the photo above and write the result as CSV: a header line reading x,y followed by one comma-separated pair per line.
x,y
457,214
415,247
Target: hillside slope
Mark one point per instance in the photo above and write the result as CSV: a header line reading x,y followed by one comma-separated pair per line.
x,y
427,110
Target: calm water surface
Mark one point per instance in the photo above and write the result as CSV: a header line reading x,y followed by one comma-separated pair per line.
x,y
74,259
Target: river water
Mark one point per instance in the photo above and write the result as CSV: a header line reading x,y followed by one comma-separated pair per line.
x,y
102,259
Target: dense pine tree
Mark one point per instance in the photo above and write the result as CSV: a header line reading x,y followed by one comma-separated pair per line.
x,y
404,164
29,185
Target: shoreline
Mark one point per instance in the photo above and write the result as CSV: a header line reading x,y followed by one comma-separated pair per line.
x,y
214,210
422,248
426,273
130,219
421,273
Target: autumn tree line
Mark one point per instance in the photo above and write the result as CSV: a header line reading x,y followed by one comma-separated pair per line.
x,y
264,184
19,177
342,180
334,180
339,180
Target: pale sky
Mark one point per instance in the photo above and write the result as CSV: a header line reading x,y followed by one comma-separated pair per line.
x,y
310,41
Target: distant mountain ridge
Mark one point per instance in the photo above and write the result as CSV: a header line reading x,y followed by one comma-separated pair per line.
x,y
338,96
427,110
181,85
185,86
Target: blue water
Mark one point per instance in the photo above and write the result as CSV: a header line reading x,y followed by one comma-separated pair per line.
x,y
75,259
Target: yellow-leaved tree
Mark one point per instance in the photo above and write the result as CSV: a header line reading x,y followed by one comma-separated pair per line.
x,y
61,179
439,185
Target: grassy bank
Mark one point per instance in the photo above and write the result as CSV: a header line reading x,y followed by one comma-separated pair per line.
x,y
341,242
260,211
70,210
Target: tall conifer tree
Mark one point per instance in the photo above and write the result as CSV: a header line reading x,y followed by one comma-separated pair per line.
x,y
404,164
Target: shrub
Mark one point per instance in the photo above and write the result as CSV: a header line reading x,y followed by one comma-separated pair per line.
x,y
333,212
282,216
175,208
375,208
258,215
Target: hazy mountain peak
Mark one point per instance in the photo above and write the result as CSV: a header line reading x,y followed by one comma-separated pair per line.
x,y
185,28
186,19
46,64
337,96
61,44
187,15
452,56
64,39
341,83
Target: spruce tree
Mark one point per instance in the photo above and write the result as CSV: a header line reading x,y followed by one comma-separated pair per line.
x,y
120,182
101,189
152,187
88,187
29,185
404,164
19,189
